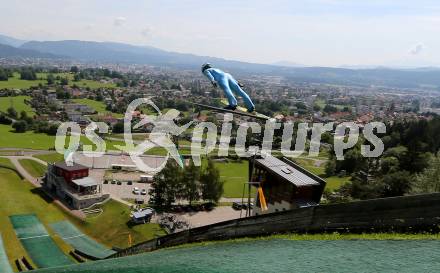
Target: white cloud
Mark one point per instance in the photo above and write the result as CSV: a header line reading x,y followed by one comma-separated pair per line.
x,y
119,21
89,26
417,49
147,32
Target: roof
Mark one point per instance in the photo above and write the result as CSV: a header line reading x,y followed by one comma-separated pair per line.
x,y
74,167
287,171
142,214
85,182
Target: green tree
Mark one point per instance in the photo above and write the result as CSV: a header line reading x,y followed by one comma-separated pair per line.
x,y
23,115
20,126
300,105
212,186
5,120
191,183
61,94
64,81
166,184
395,184
50,79
118,128
389,164
11,112
429,180
76,77
52,130
316,107
28,73
330,109
330,168
3,75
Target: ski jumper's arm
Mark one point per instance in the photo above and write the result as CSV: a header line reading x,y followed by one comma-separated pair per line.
x,y
208,74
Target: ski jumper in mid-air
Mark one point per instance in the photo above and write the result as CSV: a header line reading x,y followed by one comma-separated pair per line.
x,y
229,86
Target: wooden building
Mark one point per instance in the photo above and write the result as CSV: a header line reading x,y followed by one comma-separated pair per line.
x,y
285,185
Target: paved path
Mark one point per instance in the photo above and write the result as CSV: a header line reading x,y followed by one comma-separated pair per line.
x,y
14,160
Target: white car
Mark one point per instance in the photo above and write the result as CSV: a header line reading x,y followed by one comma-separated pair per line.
x,y
144,192
136,191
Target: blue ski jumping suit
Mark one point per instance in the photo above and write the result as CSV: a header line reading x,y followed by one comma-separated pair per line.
x,y
229,86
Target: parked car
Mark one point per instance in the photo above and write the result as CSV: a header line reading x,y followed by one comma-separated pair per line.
x,y
113,181
245,205
144,192
129,182
136,191
237,206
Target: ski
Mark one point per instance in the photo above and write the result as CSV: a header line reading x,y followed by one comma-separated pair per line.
x,y
238,112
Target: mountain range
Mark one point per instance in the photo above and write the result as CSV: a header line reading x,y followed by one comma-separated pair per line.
x,y
110,52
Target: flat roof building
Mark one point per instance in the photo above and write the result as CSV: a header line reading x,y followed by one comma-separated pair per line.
x,y
73,185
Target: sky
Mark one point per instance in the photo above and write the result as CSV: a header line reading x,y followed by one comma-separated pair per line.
x,y
314,32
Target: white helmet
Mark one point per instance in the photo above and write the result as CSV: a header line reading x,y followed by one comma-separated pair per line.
x,y
206,66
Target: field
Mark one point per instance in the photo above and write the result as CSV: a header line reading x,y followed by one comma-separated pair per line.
x,y
17,103
34,168
16,83
6,162
321,103
20,197
334,182
30,140
99,106
50,158
235,174
111,228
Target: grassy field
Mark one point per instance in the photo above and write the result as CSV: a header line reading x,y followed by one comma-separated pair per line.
x,y
20,197
50,158
111,228
235,174
99,106
34,168
321,103
335,182
31,140
6,162
16,83
17,103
